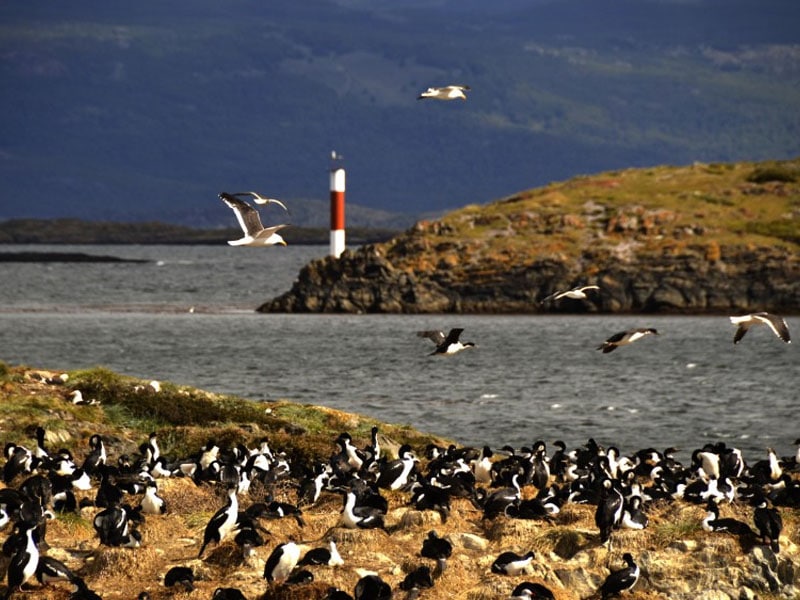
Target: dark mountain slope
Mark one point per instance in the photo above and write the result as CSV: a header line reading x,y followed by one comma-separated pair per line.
x,y
146,111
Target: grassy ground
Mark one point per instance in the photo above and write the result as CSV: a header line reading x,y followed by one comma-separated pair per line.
x,y
673,545
660,210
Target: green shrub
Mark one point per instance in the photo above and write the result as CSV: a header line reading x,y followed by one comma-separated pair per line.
x,y
787,174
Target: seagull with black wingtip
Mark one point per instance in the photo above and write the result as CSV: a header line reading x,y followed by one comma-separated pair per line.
x,y
576,293
774,322
255,234
623,338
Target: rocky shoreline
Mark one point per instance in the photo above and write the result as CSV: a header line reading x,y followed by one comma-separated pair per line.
x,y
366,281
677,558
695,239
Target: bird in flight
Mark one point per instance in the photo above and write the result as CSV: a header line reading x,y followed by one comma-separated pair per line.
x,y
255,234
446,344
448,92
576,293
625,337
259,199
774,322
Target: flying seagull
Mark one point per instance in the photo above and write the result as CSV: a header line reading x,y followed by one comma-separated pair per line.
x,y
625,337
255,234
576,293
775,323
446,344
448,92
259,199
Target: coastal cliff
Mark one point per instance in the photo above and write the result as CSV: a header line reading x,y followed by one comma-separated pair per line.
x,y
694,239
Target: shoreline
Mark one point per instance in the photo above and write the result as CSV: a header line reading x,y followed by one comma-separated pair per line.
x,y
569,559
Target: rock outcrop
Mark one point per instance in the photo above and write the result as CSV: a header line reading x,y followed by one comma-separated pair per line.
x,y
704,238
364,281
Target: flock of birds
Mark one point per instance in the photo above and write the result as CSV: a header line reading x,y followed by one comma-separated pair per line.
x,y
526,483
621,487
255,234
450,343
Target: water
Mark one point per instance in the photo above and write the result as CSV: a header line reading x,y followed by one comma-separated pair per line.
x,y
530,378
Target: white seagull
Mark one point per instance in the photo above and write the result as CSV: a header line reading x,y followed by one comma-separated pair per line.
x,y
576,293
259,199
775,323
255,234
448,92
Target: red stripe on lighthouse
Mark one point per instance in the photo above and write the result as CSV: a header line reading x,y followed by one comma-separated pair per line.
x,y
337,210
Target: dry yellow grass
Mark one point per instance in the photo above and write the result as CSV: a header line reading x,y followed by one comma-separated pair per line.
x,y
567,544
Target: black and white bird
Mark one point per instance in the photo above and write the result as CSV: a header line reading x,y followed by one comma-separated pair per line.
x,y
19,461
76,397
437,548
447,92
397,474
372,587
418,579
576,293
323,556
51,569
446,344
713,523
622,579
633,515
97,456
222,523
259,199
511,563
152,503
531,591
113,527
255,234
624,338
608,513
361,517
768,522
24,561
281,562
774,322
180,576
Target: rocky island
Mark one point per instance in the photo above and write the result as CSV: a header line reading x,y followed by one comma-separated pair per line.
x,y
704,238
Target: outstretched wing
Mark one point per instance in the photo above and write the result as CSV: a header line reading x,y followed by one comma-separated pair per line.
x,y
553,296
259,199
777,324
248,217
432,334
453,335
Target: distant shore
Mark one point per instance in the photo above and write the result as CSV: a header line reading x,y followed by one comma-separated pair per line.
x,y
47,257
76,231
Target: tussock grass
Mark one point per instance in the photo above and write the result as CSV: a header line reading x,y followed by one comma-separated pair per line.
x,y
568,544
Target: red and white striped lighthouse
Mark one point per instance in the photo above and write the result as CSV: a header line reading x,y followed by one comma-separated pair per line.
x,y
337,209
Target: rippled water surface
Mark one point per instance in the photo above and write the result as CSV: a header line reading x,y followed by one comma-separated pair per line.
x,y
530,378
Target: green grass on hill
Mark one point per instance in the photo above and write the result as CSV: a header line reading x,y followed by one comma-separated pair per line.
x,y
656,210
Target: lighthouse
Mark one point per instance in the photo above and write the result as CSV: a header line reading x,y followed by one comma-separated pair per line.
x,y
337,206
